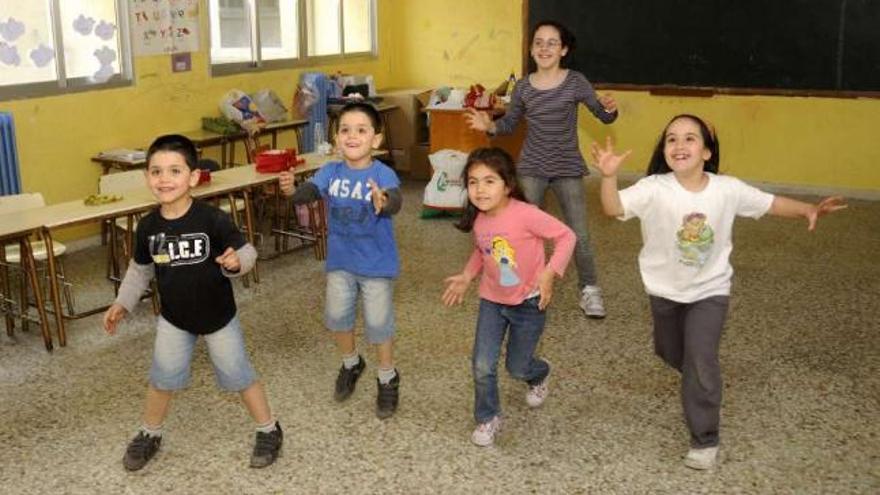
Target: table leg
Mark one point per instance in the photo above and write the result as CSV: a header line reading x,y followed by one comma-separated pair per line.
x,y
53,287
249,224
28,264
7,308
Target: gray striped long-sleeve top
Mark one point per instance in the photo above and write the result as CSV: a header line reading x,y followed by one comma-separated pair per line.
x,y
551,147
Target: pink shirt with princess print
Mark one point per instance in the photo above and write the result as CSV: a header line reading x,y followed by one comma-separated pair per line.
x,y
509,249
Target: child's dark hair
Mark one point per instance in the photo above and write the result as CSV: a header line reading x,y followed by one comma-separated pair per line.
x,y
565,37
366,109
501,163
178,144
658,164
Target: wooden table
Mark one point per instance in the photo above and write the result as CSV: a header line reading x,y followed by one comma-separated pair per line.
x,y
449,130
226,182
203,139
19,226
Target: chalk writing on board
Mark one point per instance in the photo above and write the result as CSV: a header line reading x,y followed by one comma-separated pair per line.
x,y
164,26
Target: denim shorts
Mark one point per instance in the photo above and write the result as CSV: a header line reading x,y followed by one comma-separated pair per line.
x,y
173,351
377,294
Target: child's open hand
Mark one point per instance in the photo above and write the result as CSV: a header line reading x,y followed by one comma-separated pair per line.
x,y
824,207
608,103
456,286
605,160
378,195
112,317
285,180
545,287
229,260
478,121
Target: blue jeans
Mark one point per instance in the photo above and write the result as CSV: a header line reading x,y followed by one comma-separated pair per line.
x,y
172,355
572,200
377,294
526,324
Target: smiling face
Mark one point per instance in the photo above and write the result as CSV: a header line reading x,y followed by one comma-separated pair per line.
x,y
170,179
357,138
486,189
684,149
547,48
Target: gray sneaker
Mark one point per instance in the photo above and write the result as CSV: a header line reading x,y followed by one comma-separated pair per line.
x,y
140,450
592,303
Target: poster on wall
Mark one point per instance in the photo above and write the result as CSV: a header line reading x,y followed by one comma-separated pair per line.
x,y
164,26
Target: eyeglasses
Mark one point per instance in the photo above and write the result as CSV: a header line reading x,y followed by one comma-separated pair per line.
x,y
548,44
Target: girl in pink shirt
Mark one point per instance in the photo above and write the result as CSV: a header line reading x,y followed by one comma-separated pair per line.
x,y
516,285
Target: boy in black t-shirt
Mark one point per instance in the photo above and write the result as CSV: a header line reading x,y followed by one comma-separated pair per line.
x,y
193,249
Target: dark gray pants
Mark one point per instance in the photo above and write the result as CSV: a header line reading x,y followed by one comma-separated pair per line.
x,y
687,337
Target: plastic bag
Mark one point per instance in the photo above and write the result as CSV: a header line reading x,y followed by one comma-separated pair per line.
x,y
303,100
479,98
269,105
446,190
241,109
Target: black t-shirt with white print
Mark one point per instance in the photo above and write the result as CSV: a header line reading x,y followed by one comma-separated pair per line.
x,y
195,294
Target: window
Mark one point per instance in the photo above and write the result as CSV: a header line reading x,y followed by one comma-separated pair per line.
x,y
49,47
341,27
254,34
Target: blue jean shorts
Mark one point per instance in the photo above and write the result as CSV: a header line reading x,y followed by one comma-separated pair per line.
x,y
172,355
377,295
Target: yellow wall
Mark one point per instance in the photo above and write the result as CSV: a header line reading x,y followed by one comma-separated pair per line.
x,y
818,142
57,135
821,143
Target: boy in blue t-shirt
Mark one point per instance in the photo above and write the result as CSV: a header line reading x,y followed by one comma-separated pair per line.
x,y
362,194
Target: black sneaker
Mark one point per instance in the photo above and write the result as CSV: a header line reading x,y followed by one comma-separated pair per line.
x,y
140,450
267,447
387,397
347,379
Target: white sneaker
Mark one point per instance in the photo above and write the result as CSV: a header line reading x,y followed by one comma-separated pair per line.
x,y
701,458
592,303
537,393
484,434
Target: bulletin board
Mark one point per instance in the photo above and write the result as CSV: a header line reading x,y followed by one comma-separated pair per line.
x,y
164,26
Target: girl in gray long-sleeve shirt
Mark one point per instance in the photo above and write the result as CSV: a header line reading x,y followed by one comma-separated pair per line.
x,y
548,98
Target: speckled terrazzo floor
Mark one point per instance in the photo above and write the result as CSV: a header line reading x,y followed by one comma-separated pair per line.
x,y
800,357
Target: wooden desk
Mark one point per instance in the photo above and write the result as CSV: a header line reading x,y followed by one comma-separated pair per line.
x,y
204,139
450,130
18,226
223,183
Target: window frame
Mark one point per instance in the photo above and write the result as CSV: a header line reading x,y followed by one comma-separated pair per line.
x,y
65,85
257,64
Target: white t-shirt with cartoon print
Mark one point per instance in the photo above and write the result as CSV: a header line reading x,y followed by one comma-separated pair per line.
x,y
687,235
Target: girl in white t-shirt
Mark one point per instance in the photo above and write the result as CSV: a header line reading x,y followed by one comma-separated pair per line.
x,y
687,213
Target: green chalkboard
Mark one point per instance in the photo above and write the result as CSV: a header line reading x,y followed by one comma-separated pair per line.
x,y
825,45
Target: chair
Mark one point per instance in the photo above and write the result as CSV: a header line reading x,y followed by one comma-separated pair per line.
x,y
18,202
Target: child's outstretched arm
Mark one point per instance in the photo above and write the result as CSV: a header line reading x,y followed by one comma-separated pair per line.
x,y
457,285
479,121
608,164
791,208
387,201
133,285
237,262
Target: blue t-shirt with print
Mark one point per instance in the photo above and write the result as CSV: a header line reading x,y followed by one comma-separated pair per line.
x,y
359,241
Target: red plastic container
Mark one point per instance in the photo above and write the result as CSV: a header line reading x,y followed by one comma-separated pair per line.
x,y
274,161
204,177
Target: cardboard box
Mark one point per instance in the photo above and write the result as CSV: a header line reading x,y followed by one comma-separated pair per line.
x,y
419,166
406,126
401,160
